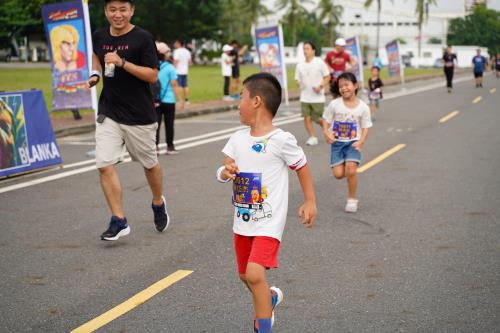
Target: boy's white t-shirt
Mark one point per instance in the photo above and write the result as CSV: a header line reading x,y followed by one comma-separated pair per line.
x,y
183,56
346,123
225,63
260,190
311,74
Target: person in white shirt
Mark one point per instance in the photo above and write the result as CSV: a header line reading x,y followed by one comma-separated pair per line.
x,y
182,60
312,76
226,67
345,126
257,160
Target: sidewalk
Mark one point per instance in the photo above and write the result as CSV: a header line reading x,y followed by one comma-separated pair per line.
x,y
64,126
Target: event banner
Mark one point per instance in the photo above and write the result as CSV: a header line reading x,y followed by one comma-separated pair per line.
x,y
269,44
395,64
68,38
27,141
352,47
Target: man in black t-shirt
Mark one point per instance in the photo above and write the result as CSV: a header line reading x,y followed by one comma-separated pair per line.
x,y
449,60
126,117
236,53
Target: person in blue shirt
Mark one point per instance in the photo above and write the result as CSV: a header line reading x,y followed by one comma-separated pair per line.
x,y
169,89
480,64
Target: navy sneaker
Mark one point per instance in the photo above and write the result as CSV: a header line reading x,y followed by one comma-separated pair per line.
x,y
161,215
117,228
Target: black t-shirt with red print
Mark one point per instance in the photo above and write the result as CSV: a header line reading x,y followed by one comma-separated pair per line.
x,y
125,98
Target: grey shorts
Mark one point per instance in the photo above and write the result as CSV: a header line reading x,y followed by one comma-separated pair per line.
x,y
112,139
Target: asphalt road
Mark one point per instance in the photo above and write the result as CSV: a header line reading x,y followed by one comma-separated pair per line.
x,y
421,255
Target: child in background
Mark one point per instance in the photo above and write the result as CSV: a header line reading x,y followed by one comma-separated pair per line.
x,y
226,62
375,88
345,127
257,159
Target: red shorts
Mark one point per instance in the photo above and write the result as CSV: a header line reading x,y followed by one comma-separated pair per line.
x,y
261,250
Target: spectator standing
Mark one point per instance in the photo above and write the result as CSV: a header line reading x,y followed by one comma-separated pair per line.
x,y
169,89
225,62
236,53
182,60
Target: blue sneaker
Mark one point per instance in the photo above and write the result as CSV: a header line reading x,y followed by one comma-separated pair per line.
x,y
162,219
276,298
117,228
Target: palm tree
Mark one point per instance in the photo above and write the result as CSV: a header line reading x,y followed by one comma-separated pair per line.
x,y
294,14
254,9
331,12
422,10
368,3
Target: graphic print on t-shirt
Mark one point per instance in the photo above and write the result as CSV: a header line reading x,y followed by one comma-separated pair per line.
x,y
249,196
260,146
345,129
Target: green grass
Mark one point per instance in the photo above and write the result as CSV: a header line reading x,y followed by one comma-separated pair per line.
x,y
205,82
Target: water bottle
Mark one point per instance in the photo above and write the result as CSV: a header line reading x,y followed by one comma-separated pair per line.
x,y
109,69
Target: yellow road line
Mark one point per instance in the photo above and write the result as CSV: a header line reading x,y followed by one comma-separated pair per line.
x,y
448,116
493,90
381,157
131,303
477,99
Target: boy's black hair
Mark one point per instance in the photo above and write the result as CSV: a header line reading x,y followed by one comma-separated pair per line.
x,y
335,89
311,44
234,41
267,87
373,67
129,1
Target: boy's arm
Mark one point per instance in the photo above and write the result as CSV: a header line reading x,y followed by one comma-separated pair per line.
x,y
308,210
228,171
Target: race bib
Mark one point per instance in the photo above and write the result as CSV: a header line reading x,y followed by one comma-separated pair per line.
x,y
247,188
345,130
374,95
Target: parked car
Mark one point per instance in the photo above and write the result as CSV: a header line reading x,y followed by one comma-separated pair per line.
x,y
5,55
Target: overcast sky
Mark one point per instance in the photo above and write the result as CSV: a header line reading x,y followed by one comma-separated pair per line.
x,y
442,5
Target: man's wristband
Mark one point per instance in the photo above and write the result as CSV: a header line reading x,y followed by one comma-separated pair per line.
x,y
123,62
95,73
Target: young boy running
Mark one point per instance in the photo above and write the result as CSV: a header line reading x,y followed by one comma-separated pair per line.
x,y
345,126
256,160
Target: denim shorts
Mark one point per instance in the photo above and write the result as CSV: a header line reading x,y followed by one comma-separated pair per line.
x,y
344,152
182,80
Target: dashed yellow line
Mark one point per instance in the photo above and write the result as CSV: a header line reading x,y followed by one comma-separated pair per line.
x,y
380,158
448,116
132,302
493,90
477,99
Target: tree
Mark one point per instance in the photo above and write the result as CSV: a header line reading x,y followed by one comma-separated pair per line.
x,y
481,27
169,20
309,29
331,12
253,9
422,11
368,4
293,16
19,18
